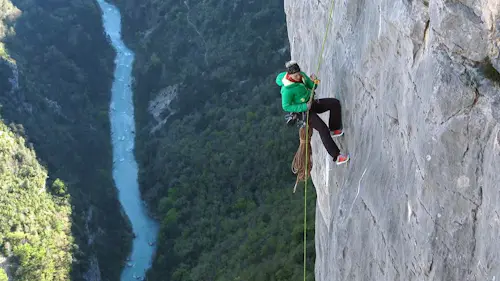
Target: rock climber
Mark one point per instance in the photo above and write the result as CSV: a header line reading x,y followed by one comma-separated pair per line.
x,y
296,96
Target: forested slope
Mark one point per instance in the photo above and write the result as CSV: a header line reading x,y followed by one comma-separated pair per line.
x,y
35,236
218,172
55,77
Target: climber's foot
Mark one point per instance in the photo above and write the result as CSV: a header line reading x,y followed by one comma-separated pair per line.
x,y
341,159
337,133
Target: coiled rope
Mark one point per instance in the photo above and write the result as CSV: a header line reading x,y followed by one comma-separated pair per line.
x,y
299,161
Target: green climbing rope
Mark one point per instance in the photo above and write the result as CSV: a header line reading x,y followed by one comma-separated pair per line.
x,y
320,60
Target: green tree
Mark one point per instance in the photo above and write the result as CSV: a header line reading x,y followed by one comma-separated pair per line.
x,y
3,275
59,188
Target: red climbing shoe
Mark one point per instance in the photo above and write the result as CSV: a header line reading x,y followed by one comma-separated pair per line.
x,y
337,133
341,159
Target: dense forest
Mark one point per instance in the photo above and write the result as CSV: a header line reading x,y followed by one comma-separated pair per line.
x,y
60,100
35,235
217,174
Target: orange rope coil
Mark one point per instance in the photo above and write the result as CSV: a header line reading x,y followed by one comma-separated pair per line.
x,y
299,161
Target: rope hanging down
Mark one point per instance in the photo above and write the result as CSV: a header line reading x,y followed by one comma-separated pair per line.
x,y
298,165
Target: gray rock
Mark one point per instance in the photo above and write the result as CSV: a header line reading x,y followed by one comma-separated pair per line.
x,y
14,76
161,104
418,200
93,272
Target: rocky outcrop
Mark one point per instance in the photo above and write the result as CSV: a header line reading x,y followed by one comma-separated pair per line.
x,y
13,77
160,106
93,272
419,85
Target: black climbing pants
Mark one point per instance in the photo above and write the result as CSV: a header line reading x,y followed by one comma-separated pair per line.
x,y
334,122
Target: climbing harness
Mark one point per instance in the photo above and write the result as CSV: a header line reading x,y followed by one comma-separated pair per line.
x,y
304,148
296,118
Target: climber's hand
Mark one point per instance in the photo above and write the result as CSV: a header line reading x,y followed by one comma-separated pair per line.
x,y
315,79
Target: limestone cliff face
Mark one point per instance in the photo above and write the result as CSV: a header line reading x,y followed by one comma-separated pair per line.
x,y
418,82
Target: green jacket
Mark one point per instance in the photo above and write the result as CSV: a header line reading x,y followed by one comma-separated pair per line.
x,y
294,96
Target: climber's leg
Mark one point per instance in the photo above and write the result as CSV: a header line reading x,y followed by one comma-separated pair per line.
x,y
335,118
324,132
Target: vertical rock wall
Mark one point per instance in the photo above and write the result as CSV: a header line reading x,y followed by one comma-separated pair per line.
x,y
419,85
